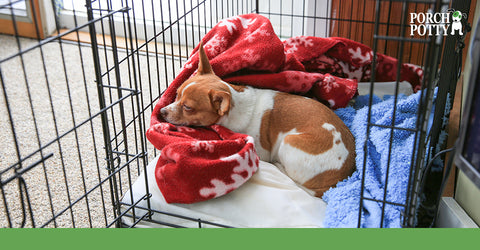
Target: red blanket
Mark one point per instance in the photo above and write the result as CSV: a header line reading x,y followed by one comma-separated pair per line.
x,y
202,163
245,50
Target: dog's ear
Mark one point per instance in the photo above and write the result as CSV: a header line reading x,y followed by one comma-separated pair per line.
x,y
220,101
204,66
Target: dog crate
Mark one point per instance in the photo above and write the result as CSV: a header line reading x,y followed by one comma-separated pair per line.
x,y
80,80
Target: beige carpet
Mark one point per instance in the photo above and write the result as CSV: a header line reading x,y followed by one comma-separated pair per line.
x,y
47,100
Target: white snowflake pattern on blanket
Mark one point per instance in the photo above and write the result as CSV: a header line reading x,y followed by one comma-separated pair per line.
x,y
206,145
250,56
229,23
329,83
216,45
246,163
357,54
305,41
261,31
350,71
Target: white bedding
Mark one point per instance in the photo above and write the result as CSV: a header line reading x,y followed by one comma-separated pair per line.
x,y
385,88
268,199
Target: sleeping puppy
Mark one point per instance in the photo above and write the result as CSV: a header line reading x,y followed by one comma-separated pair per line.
x,y
313,145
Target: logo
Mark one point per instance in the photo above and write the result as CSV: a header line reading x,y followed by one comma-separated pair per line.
x,y
437,24
457,24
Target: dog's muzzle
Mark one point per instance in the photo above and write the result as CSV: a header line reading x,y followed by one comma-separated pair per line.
x,y
163,113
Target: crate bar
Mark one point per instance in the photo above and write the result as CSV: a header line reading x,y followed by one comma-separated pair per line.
x,y
19,173
94,141
105,53
394,115
369,113
137,84
385,202
180,216
401,39
118,81
138,219
72,113
130,207
101,100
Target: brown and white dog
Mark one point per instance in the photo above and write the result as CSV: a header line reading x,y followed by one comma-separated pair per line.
x,y
313,145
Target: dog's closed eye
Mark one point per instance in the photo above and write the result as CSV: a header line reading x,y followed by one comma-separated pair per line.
x,y
188,109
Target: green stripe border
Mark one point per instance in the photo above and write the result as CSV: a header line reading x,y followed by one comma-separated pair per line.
x,y
238,238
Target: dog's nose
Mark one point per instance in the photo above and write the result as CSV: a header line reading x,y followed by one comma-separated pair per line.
x,y
163,112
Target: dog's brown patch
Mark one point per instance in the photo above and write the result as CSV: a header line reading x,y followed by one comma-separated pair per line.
x,y
289,113
325,180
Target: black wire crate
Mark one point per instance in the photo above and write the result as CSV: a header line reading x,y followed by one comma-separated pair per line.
x,y
80,81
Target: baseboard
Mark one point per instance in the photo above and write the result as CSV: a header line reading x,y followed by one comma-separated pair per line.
x,y
451,215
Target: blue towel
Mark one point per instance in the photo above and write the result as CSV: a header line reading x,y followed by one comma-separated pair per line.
x,y
344,200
